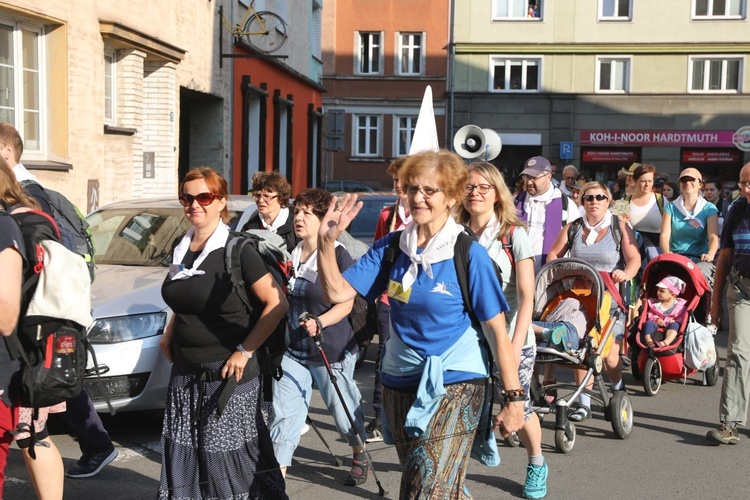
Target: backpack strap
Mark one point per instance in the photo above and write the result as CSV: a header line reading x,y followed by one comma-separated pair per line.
x,y
507,242
614,228
390,220
232,264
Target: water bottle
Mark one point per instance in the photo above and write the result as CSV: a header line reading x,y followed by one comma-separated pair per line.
x,y
65,357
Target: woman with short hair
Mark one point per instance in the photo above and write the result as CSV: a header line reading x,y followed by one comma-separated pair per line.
x,y
272,192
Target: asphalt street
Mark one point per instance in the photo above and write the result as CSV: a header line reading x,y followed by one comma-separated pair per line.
x,y
666,456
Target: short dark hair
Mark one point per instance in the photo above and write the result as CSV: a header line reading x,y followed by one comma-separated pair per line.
x,y
273,181
317,199
646,168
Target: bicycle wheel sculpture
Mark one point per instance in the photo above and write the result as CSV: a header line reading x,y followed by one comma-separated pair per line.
x,y
265,31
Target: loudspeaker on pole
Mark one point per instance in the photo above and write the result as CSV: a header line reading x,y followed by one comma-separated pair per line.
x,y
474,142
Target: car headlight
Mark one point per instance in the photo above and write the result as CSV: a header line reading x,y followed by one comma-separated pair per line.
x,y
126,328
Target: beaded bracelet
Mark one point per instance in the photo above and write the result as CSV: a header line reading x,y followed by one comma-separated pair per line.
x,y
514,395
244,352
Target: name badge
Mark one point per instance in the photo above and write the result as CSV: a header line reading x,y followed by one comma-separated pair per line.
x,y
310,275
175,269
396,292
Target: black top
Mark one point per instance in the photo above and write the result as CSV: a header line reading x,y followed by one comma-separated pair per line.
x,y
210,320
10,237
286,231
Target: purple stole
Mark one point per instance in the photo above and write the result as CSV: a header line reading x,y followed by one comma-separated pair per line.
x,y
553,212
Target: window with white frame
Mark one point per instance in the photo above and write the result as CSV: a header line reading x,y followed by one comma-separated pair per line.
x,y
716,74
515,74
366,135
409,58
370,53
517,9
110,88
403,129
613,74
22,76
718,9
615,10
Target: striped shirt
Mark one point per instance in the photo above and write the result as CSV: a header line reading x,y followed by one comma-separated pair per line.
x,y
737,237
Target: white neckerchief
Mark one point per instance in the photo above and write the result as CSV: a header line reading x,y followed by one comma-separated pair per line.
x,y
594,230
490,231
680,205
405,218
217,240
438,249
23,175
279,221
307,270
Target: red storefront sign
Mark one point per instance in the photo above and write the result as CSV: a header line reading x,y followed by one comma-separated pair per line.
x,y
711,156
609,156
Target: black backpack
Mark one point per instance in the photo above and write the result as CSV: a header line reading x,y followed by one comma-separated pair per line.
x,y
50,340
75,232
278,263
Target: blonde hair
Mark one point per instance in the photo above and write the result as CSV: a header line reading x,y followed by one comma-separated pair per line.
x,y
505,209
596,185
11,191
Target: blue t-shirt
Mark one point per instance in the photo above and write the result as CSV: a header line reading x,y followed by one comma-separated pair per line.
x,y
434,317
690,237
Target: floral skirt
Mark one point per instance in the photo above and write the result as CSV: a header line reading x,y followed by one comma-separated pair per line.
x,y
229,457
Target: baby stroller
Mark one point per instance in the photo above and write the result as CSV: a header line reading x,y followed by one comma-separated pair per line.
x,y
574,278
653,364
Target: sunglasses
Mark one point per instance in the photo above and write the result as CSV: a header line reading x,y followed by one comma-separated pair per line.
x,y
204,199
688,179
592,197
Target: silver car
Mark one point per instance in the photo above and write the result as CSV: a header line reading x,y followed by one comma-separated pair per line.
x,y
133,242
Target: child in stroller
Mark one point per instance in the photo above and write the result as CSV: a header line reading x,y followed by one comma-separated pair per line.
x,y
665,313
564,327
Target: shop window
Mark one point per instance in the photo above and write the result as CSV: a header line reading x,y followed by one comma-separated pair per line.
x,y
517,9
613,74
510,74
716,74
615,10
718,9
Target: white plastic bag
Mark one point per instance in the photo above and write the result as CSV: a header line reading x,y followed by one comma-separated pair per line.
x,y
700,351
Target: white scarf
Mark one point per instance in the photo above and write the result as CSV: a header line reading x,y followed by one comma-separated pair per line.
x,y
279,221
438,249
594,230
23,175
405,219
490,231
679,204
307,270
217,240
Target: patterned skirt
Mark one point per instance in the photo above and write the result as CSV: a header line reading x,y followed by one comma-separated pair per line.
x,y
227,458
434,465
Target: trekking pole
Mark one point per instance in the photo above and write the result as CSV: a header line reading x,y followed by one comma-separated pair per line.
x,y
304,317
309,422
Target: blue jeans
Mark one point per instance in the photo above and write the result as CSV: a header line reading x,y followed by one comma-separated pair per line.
x,y
291,401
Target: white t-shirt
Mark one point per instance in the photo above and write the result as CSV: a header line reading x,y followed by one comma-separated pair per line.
x,y
646,218
536,210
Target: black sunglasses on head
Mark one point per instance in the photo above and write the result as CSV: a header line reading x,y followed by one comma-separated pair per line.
x,y
204,199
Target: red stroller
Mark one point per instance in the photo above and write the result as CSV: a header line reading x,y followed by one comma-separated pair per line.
x,y
652,364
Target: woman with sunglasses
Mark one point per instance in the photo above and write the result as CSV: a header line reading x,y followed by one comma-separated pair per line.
x,y
434,365
594,243
271,192
211,338
489,211
690,225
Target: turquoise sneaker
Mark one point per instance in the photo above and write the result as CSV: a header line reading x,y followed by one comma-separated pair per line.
x,y
536,481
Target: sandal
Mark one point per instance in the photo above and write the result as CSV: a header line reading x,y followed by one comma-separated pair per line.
x,y
551,395
580,413
358,473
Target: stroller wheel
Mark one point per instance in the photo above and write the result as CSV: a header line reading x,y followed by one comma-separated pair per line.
x,y
514,441
712,375
563,442
652,376
621,414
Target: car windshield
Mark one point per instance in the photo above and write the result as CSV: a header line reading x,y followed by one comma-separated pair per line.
x,y
363,226
136,236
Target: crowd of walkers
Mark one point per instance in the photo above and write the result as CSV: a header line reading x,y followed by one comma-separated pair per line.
x,y
452,271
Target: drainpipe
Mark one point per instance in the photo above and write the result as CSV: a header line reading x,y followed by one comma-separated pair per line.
x,y
451,69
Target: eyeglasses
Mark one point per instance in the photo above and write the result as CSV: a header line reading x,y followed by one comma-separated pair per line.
x,y
481,188
570,178
743,185
592,197
530,178
204,199
267,197
427,192
687,179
